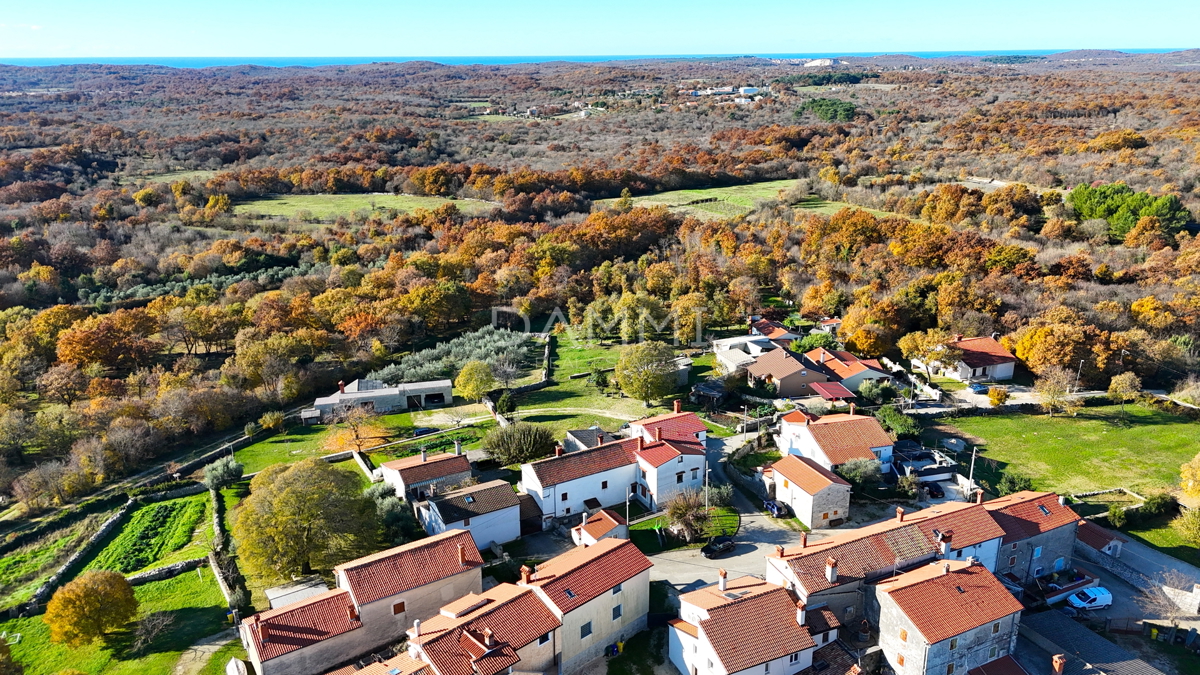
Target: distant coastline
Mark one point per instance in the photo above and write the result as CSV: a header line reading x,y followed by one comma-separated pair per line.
x,y
316,61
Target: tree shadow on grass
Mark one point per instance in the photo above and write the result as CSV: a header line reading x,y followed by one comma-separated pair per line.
x,y
295,433
191,625
548,395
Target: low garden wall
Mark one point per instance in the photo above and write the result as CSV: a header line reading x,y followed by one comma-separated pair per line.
x,y
165,572
42,594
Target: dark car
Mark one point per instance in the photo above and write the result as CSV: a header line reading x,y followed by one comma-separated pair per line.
x,y
424,431
776,509
934,490
717,547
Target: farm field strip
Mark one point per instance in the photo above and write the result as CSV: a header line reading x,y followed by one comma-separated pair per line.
x,y
327,206
156,534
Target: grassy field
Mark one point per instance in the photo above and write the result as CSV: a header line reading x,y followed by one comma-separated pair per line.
x,y
733,201
197,176
328,207
1092,451
22,571
216,662
301,442
156,534
1157,533
750,461
194,601
726,520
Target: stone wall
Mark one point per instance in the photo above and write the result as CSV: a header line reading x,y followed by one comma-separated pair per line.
x,y
165,572
43,593
1120,569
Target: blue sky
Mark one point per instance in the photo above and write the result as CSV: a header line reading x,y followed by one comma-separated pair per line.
x,y
319,28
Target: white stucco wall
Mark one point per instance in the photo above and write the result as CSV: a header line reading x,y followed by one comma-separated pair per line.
x,y
551,501
500,526
382,626
634,600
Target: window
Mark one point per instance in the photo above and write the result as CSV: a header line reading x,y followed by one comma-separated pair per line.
x,y
467,522
825,516
470,499
585,630
903,635
679,477
1038,572
564,496
995,628
569,593
1060,564
793,657
899,659
1014,546
680,460
616,612
695,474
643,473
616,589
949,669
544,639
1037,552
397,608
992,653
1012,560
603,485
1045,511
835,512
767,667
958,553
953,644
824,638
786,484
567,511
695,647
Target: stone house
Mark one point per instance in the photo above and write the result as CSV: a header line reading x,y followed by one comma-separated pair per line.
x,y
788,371
604,524
945,618
1039,534
600,594
490,511
375,599
1105,541
747,626
818,497
582,439
416,477
833,440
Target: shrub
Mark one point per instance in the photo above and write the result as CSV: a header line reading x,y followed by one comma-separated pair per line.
x,y
1157,504
90,606
897,422
1187,524
1012,482
1116,515
720,495
505,405
221,473
862,473
998,396
521,442
909,485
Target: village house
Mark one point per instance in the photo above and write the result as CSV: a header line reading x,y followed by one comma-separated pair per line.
x,y
604,524
747,626
944,618
846,368
788,371
401,664
490,511
377,397
506,629
600,594
1100,539
416,477
673,426
983,358
375,599
773,331
832,571
582,439
833,440
828,325
1039,534
735,353
650,471
818,497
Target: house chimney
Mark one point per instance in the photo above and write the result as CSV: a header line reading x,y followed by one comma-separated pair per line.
x,y
946,537
658,433
822,356
852,407
979,496
558,451
803,539
778,551
1062,500
678,406
489,640
424,454
641,442
801,610
416,630
341,387
352,612
945,569
264,630
526,574
722,579
958,337
831,570
458,446
900,513
462,556
1058,662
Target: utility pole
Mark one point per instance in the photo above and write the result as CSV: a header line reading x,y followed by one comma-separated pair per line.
x,y
1077,372
971,478
627,492
706,470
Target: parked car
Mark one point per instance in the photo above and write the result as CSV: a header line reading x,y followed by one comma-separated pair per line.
x,y
776,509
978,387
1091,598
424,431
935,491
717,547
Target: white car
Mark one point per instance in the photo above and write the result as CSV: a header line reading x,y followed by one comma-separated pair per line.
x,y
1091,598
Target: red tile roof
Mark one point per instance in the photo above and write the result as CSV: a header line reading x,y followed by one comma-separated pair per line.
x,y
660,452
781,363
415,564
942,605
799,416
754,629
869,551
413,470
980,352
476,500
402,664
1005,665
681,426
771,329
843,364
583,574
712,596
1026,514
830,322
846,437
1095,536
574,465
280,631
806,474
684,626
600,524
832,391
821,620
456,645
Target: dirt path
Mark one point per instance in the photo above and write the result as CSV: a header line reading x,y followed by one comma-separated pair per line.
x,y
194,658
